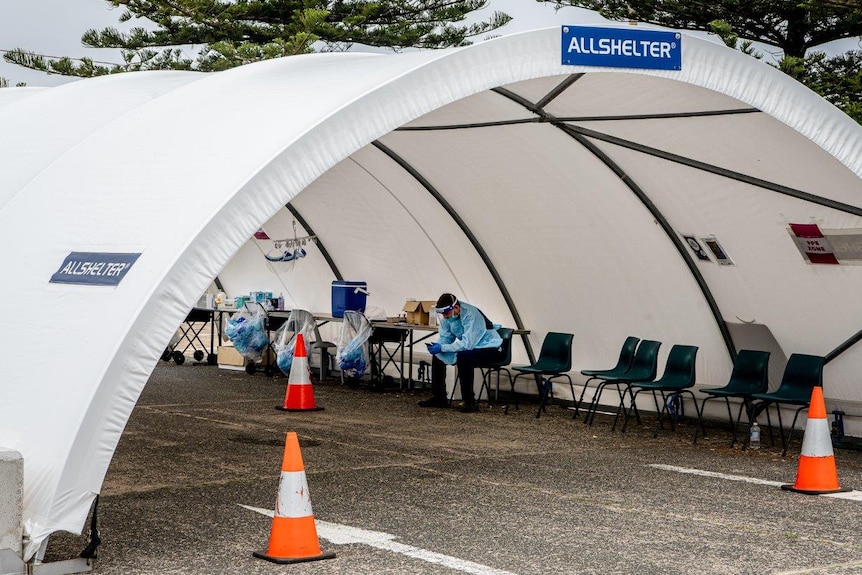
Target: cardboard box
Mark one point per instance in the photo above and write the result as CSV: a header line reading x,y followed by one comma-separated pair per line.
x,y
419,312
230,358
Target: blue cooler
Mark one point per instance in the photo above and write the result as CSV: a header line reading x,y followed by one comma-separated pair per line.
x,y
348,295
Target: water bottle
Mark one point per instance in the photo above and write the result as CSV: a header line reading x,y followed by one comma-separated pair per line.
x,y
754,436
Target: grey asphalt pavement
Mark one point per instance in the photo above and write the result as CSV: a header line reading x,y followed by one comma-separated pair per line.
x,y
436,491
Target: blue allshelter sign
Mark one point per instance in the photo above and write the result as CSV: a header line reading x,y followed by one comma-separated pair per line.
x,y
622,48
89,268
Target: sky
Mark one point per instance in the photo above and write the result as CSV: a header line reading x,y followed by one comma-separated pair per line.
x,y
54,28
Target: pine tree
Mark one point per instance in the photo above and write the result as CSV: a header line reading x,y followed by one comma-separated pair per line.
x,y
230,33
794,26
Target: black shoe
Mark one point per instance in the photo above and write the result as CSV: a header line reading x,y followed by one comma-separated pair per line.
x,y
469,408
434,402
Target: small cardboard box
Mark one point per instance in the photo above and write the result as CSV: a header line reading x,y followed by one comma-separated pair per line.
x,y
230,358
418,312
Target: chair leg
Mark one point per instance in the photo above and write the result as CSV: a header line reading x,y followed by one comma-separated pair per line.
x,y
660,410
746,404
486,384
512,395
769,424
546,390
699,415
659,424
621,408
700,426
593,406
454,387
633,406
574,399
790,431
730,419
581,398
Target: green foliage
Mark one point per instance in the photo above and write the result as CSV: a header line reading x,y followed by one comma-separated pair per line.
x,y
4,83
837,79
230,33
792,26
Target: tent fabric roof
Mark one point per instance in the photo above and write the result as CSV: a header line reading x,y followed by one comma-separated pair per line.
x,y
552,196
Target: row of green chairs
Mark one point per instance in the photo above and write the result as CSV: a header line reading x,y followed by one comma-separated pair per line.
x,y
636,370
749,383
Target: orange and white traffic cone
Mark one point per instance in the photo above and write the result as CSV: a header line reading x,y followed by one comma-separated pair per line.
x,y
293,537
816,473
299,395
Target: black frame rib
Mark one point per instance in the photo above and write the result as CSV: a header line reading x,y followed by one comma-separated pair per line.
x,y
319,243
468,233
632,185
585,137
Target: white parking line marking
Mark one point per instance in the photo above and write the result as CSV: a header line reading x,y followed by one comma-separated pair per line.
x,y
344,534
852,495
703,473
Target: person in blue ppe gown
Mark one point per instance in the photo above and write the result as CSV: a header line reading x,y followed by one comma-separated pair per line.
x,y
467,339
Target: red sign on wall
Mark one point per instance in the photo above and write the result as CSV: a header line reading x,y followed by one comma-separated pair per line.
x,y
813,244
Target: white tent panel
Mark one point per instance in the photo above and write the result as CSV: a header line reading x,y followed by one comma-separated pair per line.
x,y
594,95
49,123
752,144
11,95
550,236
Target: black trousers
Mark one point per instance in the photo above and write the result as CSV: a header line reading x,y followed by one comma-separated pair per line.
x,y
468,360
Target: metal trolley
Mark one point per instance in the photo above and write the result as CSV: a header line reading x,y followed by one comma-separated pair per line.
x,y
188,337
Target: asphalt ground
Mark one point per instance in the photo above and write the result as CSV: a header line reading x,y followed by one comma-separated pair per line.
x,y
437,491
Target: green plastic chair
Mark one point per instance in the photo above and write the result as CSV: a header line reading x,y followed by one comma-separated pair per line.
x,y
644,368
496,367
750,375
678,378
627,353
555,360
801,375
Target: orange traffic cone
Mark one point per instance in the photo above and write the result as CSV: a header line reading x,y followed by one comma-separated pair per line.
x,y
293,538
816,473
299,395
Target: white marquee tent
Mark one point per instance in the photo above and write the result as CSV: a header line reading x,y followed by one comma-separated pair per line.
x,y
555,197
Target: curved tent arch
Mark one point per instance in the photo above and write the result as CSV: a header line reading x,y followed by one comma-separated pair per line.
x,y
184,176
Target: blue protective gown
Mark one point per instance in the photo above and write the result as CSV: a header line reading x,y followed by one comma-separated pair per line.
x,y
467,331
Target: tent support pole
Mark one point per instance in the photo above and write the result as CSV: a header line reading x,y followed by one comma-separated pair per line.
x,y
668,229
730,174
510,303
335,271
648,204
854,339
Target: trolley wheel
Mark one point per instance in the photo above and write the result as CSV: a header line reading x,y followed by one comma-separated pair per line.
x,y
179,358
212,358
166,355
250,368
198,355
269,371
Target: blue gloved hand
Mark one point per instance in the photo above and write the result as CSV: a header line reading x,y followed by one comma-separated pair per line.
x,y
434,348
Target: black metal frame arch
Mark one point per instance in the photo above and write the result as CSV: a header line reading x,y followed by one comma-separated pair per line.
x,y
462,225
641,195
585,137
